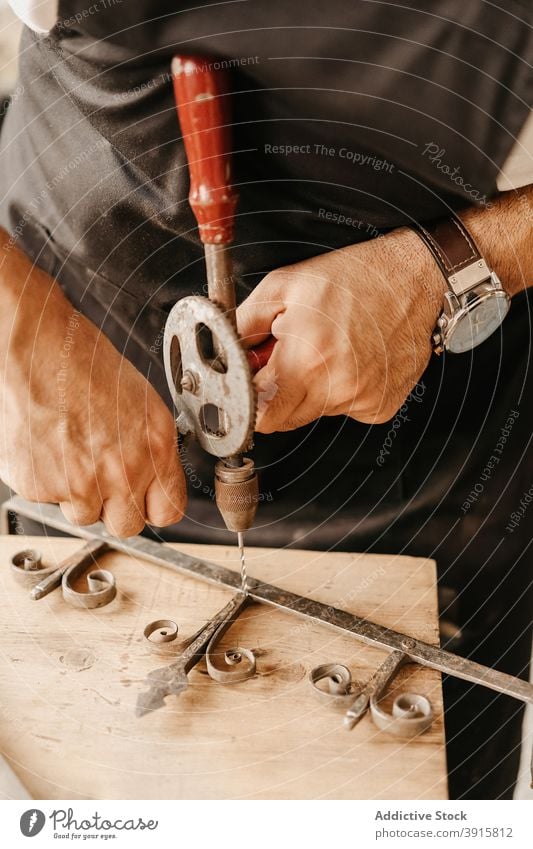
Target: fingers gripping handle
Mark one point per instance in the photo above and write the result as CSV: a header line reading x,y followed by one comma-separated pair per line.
x,y
260,355
203,109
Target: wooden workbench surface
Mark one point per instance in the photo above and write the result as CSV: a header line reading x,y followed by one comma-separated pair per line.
x,y
69,681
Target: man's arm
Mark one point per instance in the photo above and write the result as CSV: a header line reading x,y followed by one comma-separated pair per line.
x,y
80,426
354,326
504,233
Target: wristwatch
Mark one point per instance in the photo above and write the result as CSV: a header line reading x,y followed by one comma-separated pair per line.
x,y
475,304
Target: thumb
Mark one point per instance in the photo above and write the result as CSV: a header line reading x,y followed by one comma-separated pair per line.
x,y
255,317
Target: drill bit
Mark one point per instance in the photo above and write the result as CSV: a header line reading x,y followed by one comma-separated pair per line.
x,y
237,496
244,576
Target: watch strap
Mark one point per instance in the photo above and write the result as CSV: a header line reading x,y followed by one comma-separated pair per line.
x,y
455,252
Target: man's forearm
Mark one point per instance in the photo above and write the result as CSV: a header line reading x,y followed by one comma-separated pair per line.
x,y
504,234
31,300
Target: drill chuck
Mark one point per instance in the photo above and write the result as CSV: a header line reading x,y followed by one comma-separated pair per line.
x,y
237,494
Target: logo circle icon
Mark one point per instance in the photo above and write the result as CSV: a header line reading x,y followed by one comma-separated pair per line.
x,y
32,822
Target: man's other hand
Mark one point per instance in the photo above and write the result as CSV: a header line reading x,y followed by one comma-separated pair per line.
x,y
80,425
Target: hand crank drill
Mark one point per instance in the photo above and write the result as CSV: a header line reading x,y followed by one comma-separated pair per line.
x,y
208,370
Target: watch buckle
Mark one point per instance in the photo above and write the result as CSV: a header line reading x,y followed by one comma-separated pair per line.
x,y
460,282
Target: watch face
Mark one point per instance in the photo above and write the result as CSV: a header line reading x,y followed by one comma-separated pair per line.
x,y
481,318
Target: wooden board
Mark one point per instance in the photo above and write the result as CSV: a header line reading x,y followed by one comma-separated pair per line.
x,y
69,681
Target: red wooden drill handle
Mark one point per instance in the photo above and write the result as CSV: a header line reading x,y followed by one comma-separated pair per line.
x,y
202,102
260,355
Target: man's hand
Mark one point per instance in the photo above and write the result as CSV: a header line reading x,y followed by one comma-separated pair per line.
x,y
353,328
80,426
